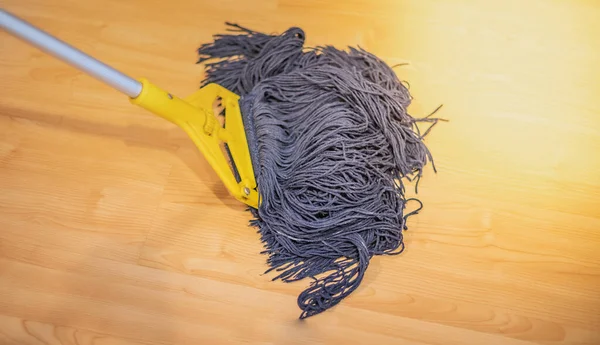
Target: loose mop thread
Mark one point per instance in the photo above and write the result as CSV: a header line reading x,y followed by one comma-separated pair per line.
x,y
331,142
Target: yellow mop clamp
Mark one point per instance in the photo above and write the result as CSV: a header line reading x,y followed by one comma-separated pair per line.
x,y
194,114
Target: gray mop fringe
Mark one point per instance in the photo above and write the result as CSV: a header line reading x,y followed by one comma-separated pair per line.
x,y
331,143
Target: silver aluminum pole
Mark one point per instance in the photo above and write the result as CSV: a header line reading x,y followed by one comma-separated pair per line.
x,y
69,54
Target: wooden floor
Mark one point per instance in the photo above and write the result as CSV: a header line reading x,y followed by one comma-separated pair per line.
x,y
113,230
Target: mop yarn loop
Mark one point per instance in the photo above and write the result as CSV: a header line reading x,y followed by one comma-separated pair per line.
x,y
331,143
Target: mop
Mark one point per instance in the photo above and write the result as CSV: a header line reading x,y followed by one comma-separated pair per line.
x,y
330,141
317,146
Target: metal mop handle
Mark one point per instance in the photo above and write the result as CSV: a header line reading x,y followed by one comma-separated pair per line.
x,y
69,54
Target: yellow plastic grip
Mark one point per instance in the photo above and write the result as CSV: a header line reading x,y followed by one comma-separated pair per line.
x,y
195,116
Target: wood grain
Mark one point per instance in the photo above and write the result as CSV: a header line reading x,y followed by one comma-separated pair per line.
x,y
114,230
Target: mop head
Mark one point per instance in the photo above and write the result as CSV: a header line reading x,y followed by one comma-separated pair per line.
x,y
331,142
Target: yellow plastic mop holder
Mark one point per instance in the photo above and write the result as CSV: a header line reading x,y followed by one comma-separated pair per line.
x,y
195,116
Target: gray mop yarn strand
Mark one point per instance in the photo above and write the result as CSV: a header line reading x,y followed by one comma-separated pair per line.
x,y
331,142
